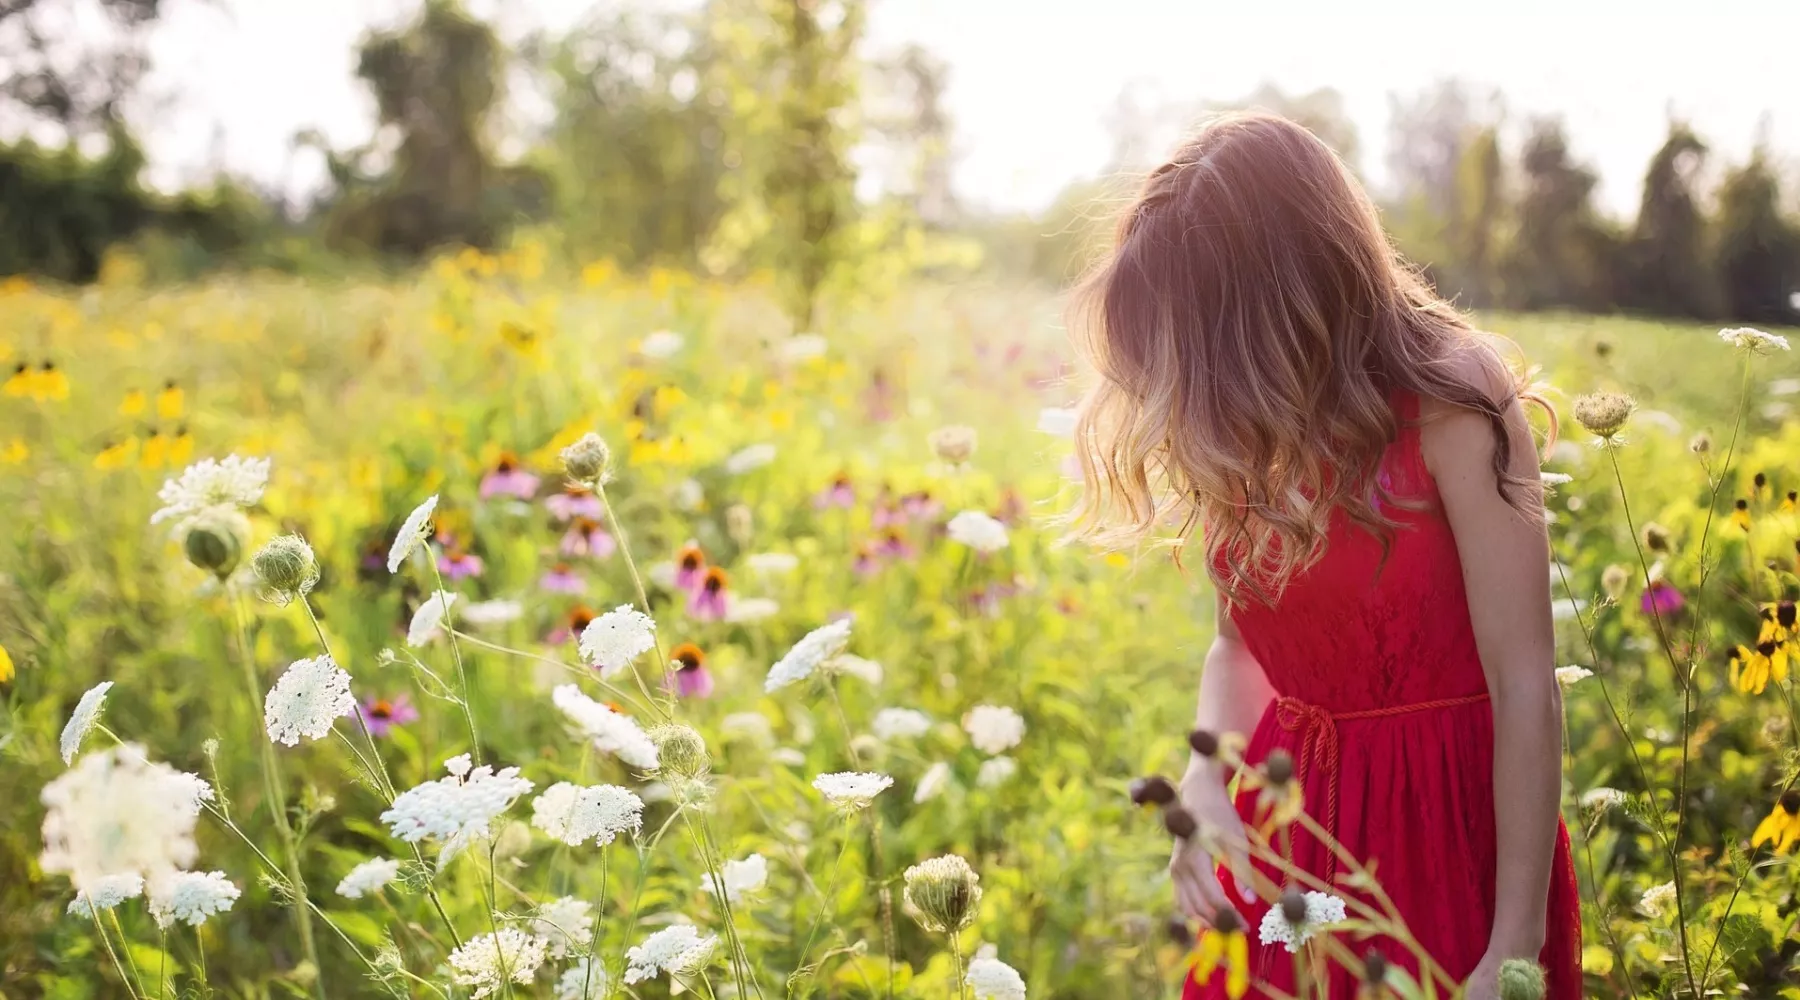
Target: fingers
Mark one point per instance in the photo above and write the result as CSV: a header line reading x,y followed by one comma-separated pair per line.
x,y
1197,889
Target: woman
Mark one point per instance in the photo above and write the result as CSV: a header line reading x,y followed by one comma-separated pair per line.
x,y
1359,462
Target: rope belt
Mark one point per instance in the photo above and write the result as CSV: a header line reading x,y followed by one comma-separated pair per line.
x,y
1317,729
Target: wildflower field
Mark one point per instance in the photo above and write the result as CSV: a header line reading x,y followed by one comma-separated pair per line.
x,y
780,684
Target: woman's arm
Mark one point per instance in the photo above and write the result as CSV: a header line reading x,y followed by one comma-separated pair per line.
x,y
1233,694
1505,560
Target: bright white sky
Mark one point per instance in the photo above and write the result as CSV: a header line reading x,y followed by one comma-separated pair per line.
x,y
1031,80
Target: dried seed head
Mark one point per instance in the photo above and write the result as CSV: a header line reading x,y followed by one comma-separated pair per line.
x,y
1656,537
287,568
585,460
1604,413
942,893
953,445
1279,768
1203,743
1521,979
215,539
1293,907
1701,444
1613,580
680,750
1178,821
1154,790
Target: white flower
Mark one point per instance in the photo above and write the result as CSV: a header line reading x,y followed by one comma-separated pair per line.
x,y
740,877
576,815
1602,798
563,925
234,482
308,697
932,782
190,897
1563,609
488,961
753,726
497,612
611,732
107,892
116,813
996,771
848,663
81,721
1322,911
413,533
992,979
428,618
368,878
457,809
801,347
850,790
1058,420
772,563
900,723
813,649
662,344
750,458
584,980
994,729
749,609
611,641
678,948
1753,340
689,494
1554,479
978,531
1658,899
1567,676
787,755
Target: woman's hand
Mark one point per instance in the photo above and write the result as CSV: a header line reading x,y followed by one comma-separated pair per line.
x,y
1198,890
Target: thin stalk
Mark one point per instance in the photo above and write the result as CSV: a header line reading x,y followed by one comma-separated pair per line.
x,y
956,963
94,912
884,893
125,946
384,780
494,922
200,960
162,962
587,979
611,688
462,673
637,581
715,872
826,903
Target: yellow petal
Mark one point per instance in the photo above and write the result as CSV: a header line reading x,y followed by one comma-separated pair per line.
x,y
1237,966
1212,948
1768,829
6,665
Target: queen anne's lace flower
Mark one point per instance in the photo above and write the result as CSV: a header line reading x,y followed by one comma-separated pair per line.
x,y
994,729
808,654
428,619
1322,911
996,771
740,877
992,979
1658,899
81,721
585,980
497,612
234,482
457,809
932,783
1567,676
576,815
679,948
117,813
1753,340
107,892
851,789
190,897
413,533
612,732
900,723
1602,798
563,925
487,962
611,641
368,878
978,531
754,457
308,697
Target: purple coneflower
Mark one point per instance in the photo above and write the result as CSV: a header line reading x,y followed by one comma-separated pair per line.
x,y
920,506
839,494
507,479
586,537
707,600
578,618
893,545
690,566
689,673
575,501
562,580
866,564
383,714
457,564
1661,598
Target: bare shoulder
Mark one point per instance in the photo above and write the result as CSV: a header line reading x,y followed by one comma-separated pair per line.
x,y
1457,438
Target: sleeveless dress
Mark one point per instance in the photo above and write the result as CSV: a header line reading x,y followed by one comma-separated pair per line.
x,y
1383,704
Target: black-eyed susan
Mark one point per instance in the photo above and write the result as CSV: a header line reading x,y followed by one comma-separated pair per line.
x,y
171,403
50,384
19,384
154,451
1791,503
1740,514
133,404
691,678
1778,623
181,447
1782,826
1224,945
1759,486
1752,666
14,452
115,454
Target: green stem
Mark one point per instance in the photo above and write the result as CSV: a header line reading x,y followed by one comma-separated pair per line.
x,y
125,946
587,979
828,902
956,962
715,873
611,688
94,912
384,781
643,596
462,673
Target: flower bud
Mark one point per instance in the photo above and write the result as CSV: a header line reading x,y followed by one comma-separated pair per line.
x,y
215,539
953,445
1521,979
585,460
680,750
1656,537
1203,743
1178,821
1176,927
739,523
287,568
1228,921
1701,444
1604,413
1154,790
942,893
1374,968
1293,907
1613,580
1279,768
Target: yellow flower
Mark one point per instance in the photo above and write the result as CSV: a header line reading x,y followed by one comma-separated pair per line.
x,y
1781,827
1224,944
519,337
155,450
1778,621
50,385
181,448
133,404
15,452
170,402
115,455
1751,668
1740,514
1791,503
6,666
598,273
21,382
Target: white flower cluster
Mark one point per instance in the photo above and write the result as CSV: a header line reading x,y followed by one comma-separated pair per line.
x,y
611,641
1753,340
740,877
1658,900
1322,911
610,731
900,723
996,771
306,699
748,459
81,721
991,979
428,618
577,815
851,790
190,897
495,612
457,809
117,813
978,531
585,980
994,729
234,482
563,925
1601,798
489,961
368,878
808,654
106,892
413,533
1567,676
679,948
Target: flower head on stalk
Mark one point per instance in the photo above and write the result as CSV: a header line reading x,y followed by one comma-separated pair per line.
x,y
306,700
741,877
428,618
563,925
1753,341
586,461
849,791
1224,944
368,878
117,813
414,532
1296,917
190,897
598,814
233,482
1658,900
991,979
1781,828
287,568
1751,667
612,641
585,980
807,655
611,732
83,719
677,949
456,809
1604,414
106,892
488,962
942,893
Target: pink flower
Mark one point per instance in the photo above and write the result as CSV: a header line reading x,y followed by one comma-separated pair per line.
x,y
1012,507
1660,598
839,494
575,501
690,676
562,580
707,601
577,619
920,506
507,479
587,538
893,545
383,714
866,564
690,566
456,564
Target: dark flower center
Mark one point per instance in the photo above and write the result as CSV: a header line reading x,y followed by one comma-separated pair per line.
x,y
1784,614
1766,648
1743,505
381,709
1790,801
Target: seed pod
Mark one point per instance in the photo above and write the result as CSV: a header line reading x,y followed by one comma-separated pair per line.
x,y
1203,742
1293,907
215,540
680,750
1178,821
1154,790
1374,968
1604,413
1279,768
585,460
287,567
1521,979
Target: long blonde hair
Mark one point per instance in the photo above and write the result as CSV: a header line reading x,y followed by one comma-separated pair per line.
x,y
1250,331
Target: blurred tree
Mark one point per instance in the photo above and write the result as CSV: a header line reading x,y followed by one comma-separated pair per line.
x,y
73,63
1448,175
1664,266
1563,251
1758,251
907,116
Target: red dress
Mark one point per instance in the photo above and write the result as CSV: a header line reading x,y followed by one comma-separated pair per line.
x,y
1383,704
